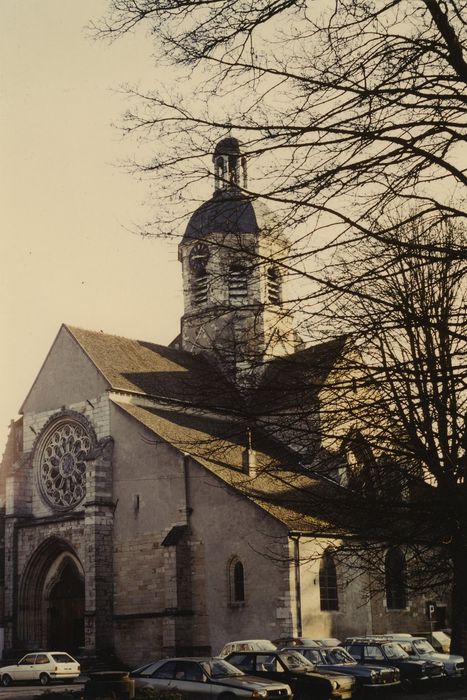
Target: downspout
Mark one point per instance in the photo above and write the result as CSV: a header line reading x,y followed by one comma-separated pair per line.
x,y
298,589
186,478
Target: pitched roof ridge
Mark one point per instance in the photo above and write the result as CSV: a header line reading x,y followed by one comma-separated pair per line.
x,y
102,333
200,359
168,404
316,346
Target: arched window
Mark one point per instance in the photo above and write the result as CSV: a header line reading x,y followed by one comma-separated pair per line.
x,y
273,286
200,287
220,172
236,581
238,285
328,583
395,579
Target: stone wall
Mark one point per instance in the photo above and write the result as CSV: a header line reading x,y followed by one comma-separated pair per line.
x,y
228,525
152,595
84,532
412,620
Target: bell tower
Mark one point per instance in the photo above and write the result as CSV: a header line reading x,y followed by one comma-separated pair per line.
x,y
233,257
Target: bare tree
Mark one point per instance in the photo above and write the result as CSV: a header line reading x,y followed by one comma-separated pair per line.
x,y
356,113
356,107
405,392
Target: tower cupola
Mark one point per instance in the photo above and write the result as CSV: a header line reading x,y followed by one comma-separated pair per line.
x,y
229,165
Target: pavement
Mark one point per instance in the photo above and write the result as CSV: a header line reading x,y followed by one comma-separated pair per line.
x,y
446,692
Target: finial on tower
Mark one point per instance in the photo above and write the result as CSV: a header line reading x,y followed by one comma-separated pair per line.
x,y
229,165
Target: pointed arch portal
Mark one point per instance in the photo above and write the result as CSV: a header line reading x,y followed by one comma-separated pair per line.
x,y
51,599
65,624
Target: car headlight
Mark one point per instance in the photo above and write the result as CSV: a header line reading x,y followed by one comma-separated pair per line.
x,y
259,693
375,675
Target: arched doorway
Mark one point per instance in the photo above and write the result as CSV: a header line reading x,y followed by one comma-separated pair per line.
x,y
66,610
51,599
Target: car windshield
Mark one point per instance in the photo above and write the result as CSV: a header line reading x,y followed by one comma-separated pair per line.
x,y
313,654
217,668
395,651
423,646
339,656
147,669
293,659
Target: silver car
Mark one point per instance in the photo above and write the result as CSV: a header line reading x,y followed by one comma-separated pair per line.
x,y
420,648
207,679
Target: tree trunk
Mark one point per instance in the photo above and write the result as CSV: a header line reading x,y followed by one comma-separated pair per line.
x,y
459,595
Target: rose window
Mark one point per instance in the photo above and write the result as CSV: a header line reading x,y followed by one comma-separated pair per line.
x,y
62,466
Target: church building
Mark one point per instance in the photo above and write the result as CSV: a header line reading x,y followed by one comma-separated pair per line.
x,y
155,499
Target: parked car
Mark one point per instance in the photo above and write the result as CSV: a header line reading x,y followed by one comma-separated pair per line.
x,y
208,679
420,648
43,666
247,645
296,671
284,642
338,660
369,650
440,640
328,642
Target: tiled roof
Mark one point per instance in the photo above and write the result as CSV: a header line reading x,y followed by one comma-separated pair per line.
x,y
293,381
287,493
137,366
176,534
200,413
229,211
145,368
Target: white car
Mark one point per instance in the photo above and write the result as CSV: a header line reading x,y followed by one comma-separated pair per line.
x,y
43,666
247,645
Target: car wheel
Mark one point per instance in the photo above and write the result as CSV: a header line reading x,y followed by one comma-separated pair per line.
x,y
227,696
407,685
44,679
6,680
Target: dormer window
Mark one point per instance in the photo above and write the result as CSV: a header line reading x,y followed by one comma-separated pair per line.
x,y
238,285
361,473
200,287
273,286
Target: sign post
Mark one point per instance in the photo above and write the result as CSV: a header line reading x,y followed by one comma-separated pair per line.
x,y
430,608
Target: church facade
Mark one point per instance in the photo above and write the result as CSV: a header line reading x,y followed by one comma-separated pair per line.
x,y
143,510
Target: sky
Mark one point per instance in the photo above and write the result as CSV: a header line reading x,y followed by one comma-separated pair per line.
x,y
67,206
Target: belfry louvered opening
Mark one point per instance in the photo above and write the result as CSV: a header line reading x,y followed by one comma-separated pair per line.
x,y
200,288
274,286
238,285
